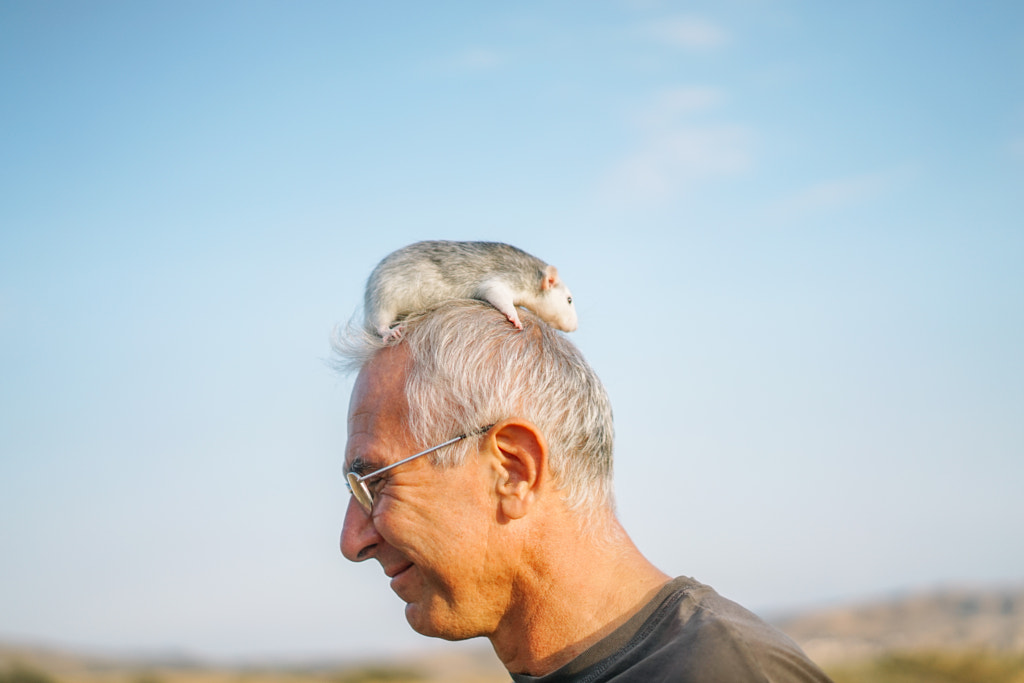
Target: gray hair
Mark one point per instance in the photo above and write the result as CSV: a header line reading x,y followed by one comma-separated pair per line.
x,y
471,368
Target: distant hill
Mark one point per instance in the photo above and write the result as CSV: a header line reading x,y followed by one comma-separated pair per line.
x,y
945,620
32,664
949,620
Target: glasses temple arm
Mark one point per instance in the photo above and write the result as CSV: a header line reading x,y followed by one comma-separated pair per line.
x,y
382,470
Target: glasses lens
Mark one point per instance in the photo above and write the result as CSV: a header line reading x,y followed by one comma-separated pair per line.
x,y
359,491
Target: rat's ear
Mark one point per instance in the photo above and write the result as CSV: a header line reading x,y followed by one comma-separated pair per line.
x,y
550,278
521,455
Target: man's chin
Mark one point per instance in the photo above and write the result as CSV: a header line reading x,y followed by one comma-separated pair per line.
x,y
425,622
419,621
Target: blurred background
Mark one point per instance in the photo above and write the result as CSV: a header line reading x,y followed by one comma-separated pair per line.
x,y
793,231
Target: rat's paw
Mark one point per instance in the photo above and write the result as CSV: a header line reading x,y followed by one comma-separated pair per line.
x,y
393,335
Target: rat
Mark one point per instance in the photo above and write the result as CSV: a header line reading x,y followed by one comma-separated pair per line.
x,y
420,275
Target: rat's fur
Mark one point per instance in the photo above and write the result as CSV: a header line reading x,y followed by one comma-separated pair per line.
x,y
426,273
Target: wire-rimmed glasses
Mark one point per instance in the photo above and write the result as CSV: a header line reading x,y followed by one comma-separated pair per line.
x,y
357,483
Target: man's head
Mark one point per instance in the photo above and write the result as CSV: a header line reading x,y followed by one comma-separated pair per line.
x,y
452,529
469,368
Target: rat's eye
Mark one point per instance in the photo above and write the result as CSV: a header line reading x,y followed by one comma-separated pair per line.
x,y
569,299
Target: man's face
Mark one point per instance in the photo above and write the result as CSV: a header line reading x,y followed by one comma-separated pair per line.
x,y
431,529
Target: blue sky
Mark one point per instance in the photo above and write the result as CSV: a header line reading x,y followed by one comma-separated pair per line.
x,y
793,232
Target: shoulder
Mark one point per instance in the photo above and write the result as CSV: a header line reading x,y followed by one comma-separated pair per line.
x,y
691,634
698,635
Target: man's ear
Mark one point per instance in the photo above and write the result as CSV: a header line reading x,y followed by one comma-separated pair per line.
x,y
521,455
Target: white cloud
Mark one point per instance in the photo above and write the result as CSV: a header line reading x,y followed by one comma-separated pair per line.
x,y
839,193
674,152
474,60
668,164
692,33
672,104
1017,148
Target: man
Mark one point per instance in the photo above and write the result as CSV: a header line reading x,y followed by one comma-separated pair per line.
x,y
480,461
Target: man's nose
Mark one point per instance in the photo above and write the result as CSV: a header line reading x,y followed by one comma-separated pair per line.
x,y
359,537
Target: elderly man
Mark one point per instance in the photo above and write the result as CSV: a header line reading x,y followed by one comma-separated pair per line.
x,y
480,462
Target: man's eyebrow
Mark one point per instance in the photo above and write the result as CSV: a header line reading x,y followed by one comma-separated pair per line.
x,y
360,466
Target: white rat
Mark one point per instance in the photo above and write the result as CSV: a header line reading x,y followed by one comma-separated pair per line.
x,y
426,273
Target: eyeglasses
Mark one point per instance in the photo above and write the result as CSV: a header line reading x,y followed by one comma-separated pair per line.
x,y
361,492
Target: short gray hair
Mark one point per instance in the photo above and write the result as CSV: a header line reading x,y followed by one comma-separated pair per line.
x,y
471,368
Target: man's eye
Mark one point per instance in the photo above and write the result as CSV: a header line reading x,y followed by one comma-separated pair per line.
x,y
376,485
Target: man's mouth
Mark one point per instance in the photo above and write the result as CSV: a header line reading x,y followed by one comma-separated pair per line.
x,y
394,572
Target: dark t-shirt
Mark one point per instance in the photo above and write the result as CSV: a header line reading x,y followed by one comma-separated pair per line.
x,y
689,634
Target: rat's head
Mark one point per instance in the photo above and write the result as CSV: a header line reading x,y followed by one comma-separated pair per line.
x,y
554,305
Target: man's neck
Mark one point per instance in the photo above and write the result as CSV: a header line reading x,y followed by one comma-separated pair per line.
x,y
572,594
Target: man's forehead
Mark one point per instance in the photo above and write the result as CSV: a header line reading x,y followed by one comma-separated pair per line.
x,y
377,408
367,419
381,382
